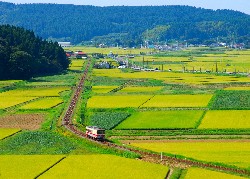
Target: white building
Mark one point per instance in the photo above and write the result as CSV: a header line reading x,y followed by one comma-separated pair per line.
x,y
65,44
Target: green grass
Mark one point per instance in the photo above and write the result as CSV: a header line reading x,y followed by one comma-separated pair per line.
x,y
232,100
117,101
161,101
162,120
25,166
105,166
226,119
7,132
235,153
198,173
107,120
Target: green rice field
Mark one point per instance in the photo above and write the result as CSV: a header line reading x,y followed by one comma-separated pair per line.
x,y
162,120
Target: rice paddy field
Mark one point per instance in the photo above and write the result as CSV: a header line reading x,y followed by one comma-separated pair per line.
x,y
76,65
37,92
226,119
162,120
10,101
197,173
104,166
173,77
103,89
235,153
5,132
43,103
117,101
161,101
139,89
6,83
25,166
200,97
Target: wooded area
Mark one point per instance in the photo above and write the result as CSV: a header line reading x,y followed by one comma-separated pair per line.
x,y
23,55
128,25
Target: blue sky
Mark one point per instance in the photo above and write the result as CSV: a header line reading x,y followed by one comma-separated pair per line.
x,y
240,5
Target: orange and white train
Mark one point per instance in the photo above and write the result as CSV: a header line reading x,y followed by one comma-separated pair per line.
x,y
95,133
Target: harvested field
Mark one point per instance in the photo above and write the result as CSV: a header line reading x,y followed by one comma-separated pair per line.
x,y
22,121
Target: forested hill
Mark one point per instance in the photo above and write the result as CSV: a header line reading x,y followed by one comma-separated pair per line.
x,y
126,24
23,55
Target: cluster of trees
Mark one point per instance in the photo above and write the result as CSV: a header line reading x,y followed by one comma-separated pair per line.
x,y
23,55
91,23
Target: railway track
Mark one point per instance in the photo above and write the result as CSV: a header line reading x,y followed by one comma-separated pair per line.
x,y
156,158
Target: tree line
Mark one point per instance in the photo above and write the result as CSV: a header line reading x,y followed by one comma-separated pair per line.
x,y
24,55
127,25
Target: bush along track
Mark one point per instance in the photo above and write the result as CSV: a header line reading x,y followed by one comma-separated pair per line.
x,y
147,156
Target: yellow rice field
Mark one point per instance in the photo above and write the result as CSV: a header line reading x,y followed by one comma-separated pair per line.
x,y
164,101
198,173
224,151
172,77
103,89
9,101
4,132
239,88
226,119
105,166
25,166
117,101
139,89
35,92
43,103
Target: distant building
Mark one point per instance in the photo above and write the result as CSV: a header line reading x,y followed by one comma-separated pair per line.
x,y
65,44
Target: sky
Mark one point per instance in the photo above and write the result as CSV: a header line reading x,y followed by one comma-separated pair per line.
x,y
239,5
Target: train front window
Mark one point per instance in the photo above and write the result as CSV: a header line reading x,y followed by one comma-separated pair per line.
x,y
100,132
